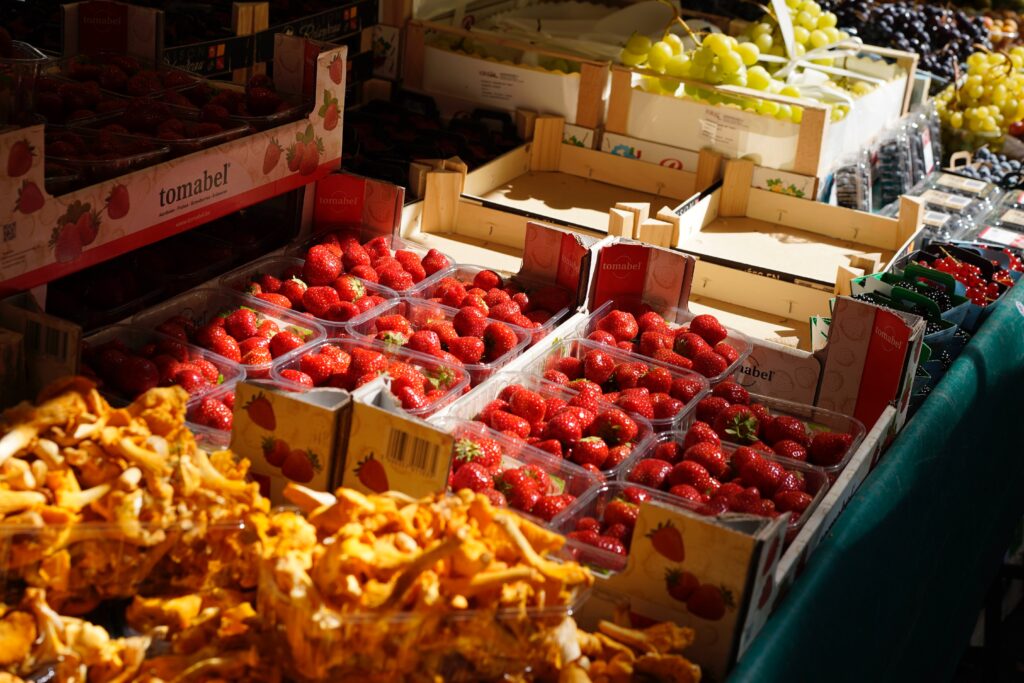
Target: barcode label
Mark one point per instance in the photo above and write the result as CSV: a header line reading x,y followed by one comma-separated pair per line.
x,y
46,340
413,453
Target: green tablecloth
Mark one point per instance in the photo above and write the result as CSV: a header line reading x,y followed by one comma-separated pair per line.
x,y
893,592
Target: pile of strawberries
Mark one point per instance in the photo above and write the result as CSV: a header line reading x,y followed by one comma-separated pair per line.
x,y
467,338
416,386
259,98
156,119
478,465
241,335
63,101
124,75
129,372
699,346
729,414
374,261
338,300
502,300
613,532
104,145
698,469
593,435
637,387
215,411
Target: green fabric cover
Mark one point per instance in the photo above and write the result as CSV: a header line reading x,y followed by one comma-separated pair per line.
x,y
893,591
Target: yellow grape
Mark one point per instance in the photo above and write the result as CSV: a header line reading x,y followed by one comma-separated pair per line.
x,y
658,55
801,35
678,66
638,44
749,53
674,42
630,58
819,39
764,42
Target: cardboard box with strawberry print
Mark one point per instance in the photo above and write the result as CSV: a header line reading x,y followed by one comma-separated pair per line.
x,y
46,237
290,436
715,575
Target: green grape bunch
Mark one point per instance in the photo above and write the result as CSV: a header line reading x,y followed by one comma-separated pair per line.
x,y
988,100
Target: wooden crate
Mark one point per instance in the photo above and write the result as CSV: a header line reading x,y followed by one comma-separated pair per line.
x,y
810,148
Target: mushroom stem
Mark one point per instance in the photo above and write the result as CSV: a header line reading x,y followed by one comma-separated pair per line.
x,y
421,563
16,439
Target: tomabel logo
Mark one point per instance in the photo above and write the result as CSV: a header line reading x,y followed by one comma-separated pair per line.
x,y
185,191
101,21
889,337
344,200
757,373
620,266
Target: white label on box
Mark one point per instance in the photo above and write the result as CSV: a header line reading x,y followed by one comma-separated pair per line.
x,y
1007,238
725,132
960,183
936,219
498,84
946,200
1013,217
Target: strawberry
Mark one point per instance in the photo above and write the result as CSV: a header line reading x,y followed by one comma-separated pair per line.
x,y
687,492
708,327
354,255
444,329
331,116
30,199
708,408
701,432
499,339
284,342
650,472
690,345
411,397
656,380
470,322
791,481
617,455
528,405
790,449
213,413
650,342
322,266
637,402
738,424
566,427
310,158
693,474
496,498
593,538
622,512
590,450
502,421
208,369
792,501
396,279
710,364
472,476
549,506
764,416
550,446
669,451
349,288
242,323
732,392
666,407
730,354
764,474
553,404
614,426
467,349
680,585
672,358
318,366
602,337
505,312
319,299
483,451
487,280
571,366
556,377
226,346
272,156
426,342
741,456
786,427
686,388
651,321
710,456
367,362
298,377
598,366
19,158
435,261
829,448
293,289
619,324
520,488
295,155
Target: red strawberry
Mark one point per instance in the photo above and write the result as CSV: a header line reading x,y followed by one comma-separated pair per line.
x,y
790,449
727,352
19,159
426,342
242,323
708,327
764,416
520,488
88,227
226,346
668,542
710,456
602,337
741,456
710,364
656,380
566,427
598,366
367,362
570,365
650,472
318,366
686,388
293,289
737,424
829,448
349,288
336,69
637,402
322,266
483,451
284,342
550,446
619,324
298,377
272,156
528,405
30,199
372,475
693,474
701,432
319,299
690,345
507,422
650,342
614,426
764,474
276,299
556,377
622,512
396,279
472,476
487,280
467,349
669,451
672,358
732,392
310,159
666,407
786,427
434,261
214,414
590,450
331,116
687,492
792,501
470,322
549,506
651,321
394,323
499,339
680,585
709,408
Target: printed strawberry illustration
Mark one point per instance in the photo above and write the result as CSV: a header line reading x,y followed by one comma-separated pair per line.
x,y
117,202
271,156
668,542
371,474
301,466
680,584
67,238
19,160
709,602
295,154
336,69
261,412
275,451
88,225
329,111
30,199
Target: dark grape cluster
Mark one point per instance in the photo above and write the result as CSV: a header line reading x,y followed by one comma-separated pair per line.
x,y
991,166
940,35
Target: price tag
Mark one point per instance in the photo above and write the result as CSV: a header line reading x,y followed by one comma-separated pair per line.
x,y
963,184
946,200
1007,238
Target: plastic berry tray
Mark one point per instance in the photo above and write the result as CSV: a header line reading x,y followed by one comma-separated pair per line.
x,y
78,68
426,364
178,147
676,317
203,305
578,348
419,313
201,93
96,166
469,406
210,438
279,266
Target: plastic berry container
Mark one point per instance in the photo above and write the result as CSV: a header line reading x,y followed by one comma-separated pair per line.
x,y
98,156
187,144
201,93
465,273
470,406
973,188
579,348
815,478
676,318
283,267
419,312
566,477
432,367
201,306
135,339
89,67
18,75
